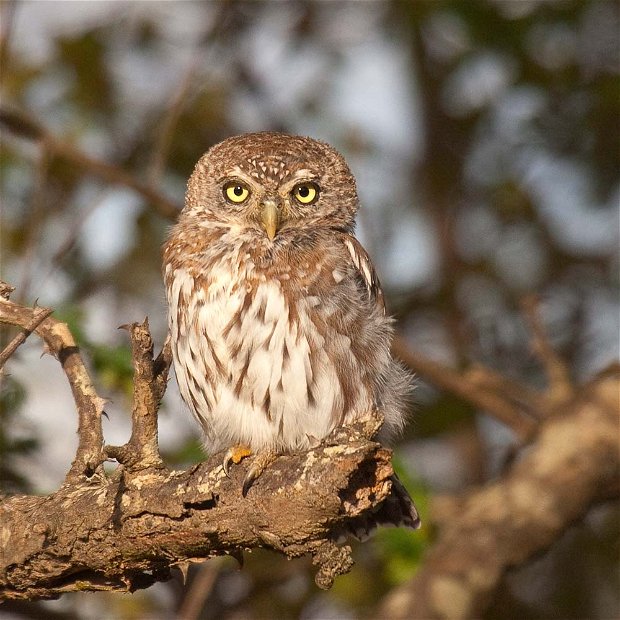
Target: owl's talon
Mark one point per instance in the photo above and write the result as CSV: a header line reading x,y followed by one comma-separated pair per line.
x,y
261,461
235,455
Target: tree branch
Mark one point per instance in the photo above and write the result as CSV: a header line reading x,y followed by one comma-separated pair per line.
x,y
573,462
10,348
558,376
25,127
149,385
126,531
61,345
490,401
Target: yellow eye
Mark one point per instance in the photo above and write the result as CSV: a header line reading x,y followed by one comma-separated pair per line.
x,y
235,191
306,193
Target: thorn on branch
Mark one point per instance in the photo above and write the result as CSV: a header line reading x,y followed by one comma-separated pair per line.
x,y
39,316
199,590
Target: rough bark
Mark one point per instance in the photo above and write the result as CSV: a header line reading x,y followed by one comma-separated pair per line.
x,y
126,531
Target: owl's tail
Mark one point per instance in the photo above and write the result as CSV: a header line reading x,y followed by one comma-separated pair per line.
x,y
397,510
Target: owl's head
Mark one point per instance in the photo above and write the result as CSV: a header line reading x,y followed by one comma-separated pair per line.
x,y
272,183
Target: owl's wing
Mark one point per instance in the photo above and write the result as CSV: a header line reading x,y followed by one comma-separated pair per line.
x,y
365,269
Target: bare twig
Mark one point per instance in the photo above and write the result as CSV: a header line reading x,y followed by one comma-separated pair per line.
x,y
61,344
25,127
149,384
448,379
528,400
558,376
40,315
199,590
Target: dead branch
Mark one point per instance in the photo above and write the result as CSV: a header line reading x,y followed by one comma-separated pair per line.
x,y
61,345
149,385
125,531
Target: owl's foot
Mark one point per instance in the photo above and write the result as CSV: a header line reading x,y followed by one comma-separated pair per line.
x,y
235,455
261,461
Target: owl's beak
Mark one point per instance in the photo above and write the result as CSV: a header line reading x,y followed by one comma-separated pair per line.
x,y
270,217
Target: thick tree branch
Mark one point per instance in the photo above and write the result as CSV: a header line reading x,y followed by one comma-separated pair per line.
x,y
573,462
125,531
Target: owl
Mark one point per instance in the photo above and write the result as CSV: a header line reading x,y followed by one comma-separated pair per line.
x,y
277,321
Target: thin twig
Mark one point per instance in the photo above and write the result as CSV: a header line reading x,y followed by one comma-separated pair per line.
x,y
25,127
448,379
529,400
558,376
10,348
199,590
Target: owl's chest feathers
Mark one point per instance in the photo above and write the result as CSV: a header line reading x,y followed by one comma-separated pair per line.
x,y
252,361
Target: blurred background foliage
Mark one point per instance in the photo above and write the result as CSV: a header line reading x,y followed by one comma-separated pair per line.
x,y
485,138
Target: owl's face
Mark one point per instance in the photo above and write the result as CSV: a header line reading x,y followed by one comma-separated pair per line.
x,y
273,185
